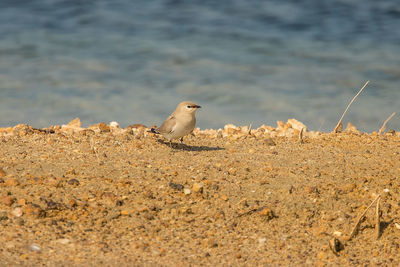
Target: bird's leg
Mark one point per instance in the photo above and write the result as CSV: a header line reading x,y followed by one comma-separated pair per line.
x,y
170,144
181,139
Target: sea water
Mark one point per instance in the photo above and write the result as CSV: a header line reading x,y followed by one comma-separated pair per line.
x,y
243,61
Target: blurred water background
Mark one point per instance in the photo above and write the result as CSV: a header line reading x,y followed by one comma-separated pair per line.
x,y
244,61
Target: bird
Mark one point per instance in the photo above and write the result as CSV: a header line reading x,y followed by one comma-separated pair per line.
x,y
181,122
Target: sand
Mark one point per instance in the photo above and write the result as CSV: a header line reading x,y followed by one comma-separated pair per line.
x,y
107,196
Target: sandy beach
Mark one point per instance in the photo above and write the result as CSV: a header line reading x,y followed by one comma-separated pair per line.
x,y
72,196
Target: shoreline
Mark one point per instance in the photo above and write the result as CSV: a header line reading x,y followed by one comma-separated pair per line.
x,y
291,128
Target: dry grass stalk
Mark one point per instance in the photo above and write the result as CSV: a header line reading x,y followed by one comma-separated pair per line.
x,y
382,129
249,132
348,106
301,136
354,231
377,219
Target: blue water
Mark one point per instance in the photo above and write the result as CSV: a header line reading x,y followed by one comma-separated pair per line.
x,y
244,61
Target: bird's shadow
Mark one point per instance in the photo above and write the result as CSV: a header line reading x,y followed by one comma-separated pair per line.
x,y
178,146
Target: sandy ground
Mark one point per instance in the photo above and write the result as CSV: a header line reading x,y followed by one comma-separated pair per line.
x,y
84,198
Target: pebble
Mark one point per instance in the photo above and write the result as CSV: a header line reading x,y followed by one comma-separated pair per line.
x,y
224,197
63,241
198,187
75,122
73,182
268,213
17,212
176,186
295,124
262,240
34,210
337,234
350,128
114,125
34,247
397,226
232,171
11,182
21,202
124,212
3,215
186,191
7,200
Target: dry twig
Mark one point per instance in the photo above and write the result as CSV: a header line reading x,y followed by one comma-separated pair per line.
x,y
382,129
348,106
353,232
249,131
377,219
301,136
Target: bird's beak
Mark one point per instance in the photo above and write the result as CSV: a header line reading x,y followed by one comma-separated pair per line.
x,y
196,106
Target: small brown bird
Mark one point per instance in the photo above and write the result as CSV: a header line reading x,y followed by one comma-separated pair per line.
x,y
180,123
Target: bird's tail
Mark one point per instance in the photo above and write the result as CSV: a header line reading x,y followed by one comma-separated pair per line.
x,y
153,130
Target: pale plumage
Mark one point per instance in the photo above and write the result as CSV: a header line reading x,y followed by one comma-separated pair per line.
x,y
180,123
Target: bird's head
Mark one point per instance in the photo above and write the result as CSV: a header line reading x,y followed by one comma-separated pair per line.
x,y
187,107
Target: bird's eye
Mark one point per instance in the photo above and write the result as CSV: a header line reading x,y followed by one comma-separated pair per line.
x,y
189,106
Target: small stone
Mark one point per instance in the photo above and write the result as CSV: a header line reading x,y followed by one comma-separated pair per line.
x,y
224,197
295,124
335,245
268,213
2,173
73,182
397,226
206,182
142,209
34,210
3,216
7,200
114,125
17,212
100,127
34,247
262,240
124,212
350,128
186,191
63,241
75,123
232,171
103,127
337,234
11,182
251,151
176,186
21,202
198,187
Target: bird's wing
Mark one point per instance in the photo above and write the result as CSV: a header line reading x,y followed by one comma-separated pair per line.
x,y
168,125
